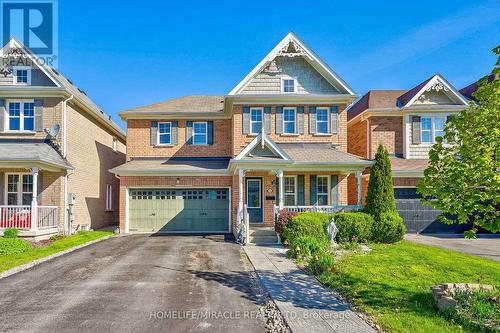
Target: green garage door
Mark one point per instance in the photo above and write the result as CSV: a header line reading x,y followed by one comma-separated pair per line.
x,y
179,210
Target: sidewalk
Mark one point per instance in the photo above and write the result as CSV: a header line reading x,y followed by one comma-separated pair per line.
x,y
304,303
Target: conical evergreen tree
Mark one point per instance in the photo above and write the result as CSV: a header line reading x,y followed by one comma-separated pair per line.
x,y
380,195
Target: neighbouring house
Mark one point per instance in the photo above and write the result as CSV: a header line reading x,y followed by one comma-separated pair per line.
x,y
56,147
229,163
407,123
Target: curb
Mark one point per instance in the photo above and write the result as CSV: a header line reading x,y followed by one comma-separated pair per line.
x,y
36,262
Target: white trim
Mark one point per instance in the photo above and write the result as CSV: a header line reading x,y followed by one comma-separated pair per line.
x,y
261,110
21,115
288,78
315,61
158,143
328,120
115,144
328,190
206,133
295,185
262,204
295,130
14,75
258,139
19,189
439,78
109,197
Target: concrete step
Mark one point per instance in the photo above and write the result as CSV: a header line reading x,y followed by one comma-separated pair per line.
x,y
262,231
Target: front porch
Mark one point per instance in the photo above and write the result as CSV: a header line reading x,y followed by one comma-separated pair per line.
x,y
21,217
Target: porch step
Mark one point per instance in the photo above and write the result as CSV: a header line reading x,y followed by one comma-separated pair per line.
x,y
263,236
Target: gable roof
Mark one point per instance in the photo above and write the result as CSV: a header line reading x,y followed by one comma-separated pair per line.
x,y
62,82
375,99
265,142
308,54
472,88
184,104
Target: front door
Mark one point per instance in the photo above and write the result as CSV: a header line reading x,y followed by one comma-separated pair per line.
x,y
254,200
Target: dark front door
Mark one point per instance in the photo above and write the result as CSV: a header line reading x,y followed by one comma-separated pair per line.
x,y
254,199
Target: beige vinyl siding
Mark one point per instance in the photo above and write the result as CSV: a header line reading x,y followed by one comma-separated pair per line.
x,y
38,78
434,98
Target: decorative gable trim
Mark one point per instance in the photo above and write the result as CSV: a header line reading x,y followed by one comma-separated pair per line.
x,y
291,46
265,141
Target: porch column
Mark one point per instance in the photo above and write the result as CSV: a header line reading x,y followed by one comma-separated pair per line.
x,y
282,188
240,190
359,175
34,201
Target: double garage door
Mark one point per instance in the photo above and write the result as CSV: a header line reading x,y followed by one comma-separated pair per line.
x,y
179,210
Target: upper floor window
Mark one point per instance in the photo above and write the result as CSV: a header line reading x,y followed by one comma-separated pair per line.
x,y
22,75
288,85
21,116
109,197
255,120
115,144
164,133
322,120
290,190
289,120
322,190
431,128
199,133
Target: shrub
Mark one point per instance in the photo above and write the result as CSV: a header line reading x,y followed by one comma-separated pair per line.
x,y
306,224
10,233
12,246
305,246
355,227
284,218
321,263
389,228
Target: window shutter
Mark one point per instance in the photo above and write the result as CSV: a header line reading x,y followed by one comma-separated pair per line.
x,y
300,120
415,129
246,120
277,189
312,120
300,190
279,119
312,190
154,133
3,115
267,119
174,133
210,132
189,132
335,190
39,115
334,117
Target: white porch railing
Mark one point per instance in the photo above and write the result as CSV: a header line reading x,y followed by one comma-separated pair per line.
x,y
316,209
19,217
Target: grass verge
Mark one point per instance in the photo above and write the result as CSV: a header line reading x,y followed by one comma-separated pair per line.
x,y
392,283
82,237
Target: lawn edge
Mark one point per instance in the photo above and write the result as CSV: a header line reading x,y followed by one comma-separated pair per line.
x,y
36,262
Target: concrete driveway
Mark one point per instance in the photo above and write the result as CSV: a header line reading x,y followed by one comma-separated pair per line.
x,y
136,283
488,247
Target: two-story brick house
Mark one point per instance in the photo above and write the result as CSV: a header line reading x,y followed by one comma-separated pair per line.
x,y
407,123
213,163
56,147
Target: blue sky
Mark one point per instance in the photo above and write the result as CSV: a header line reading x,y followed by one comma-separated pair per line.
x,y
137,53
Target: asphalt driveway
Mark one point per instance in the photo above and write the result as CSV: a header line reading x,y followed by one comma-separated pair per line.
x,y
136,283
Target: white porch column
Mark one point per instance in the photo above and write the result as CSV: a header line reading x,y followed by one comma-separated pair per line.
x,y
241,174
282,189
34,201
359,175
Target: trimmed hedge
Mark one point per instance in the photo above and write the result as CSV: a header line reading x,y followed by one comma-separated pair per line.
x,y
353,227
306,224
12,246
306,246
389,228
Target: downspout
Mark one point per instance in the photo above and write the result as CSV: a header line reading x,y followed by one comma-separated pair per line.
x,y
67,228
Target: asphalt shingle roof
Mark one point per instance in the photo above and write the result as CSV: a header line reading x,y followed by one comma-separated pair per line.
x,y
184,104
319,152
173,165
32,151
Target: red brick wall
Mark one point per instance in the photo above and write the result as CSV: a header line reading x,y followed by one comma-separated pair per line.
x,y
406,182
389,132
353,183
357,139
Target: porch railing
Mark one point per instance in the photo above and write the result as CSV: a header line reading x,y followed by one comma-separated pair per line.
x,y
19,217
316,209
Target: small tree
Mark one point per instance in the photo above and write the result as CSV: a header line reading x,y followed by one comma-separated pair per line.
x,y
463,178
380,195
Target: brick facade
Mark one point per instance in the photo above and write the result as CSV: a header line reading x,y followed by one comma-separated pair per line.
x,y
357,139
389,132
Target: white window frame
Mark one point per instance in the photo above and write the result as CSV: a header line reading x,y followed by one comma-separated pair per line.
x,y
21,115
20,68
327,189
206,133
115,144
322,108
158,134
283,85
19,187
109,197
434,136
261,110
295,190
288,121
433,128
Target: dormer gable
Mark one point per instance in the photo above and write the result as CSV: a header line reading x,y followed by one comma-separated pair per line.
x,y
262,147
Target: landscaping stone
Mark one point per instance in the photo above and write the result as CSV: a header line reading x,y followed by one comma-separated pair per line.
x,y
443,293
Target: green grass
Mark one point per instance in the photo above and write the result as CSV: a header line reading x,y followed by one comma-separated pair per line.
x,y
13,260
392,283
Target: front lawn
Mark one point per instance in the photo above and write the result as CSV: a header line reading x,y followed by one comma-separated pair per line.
x,y
9,261
392,283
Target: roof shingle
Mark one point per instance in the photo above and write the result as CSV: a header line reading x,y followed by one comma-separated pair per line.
x,y
184,104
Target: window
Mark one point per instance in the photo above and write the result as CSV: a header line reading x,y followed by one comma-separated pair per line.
x,y
115,145
255,120
289,120
439,124
21,116
22,75
432,127
19,189
109,197
322,191
426,130
200,133
289,190
164,133
288,85
322,120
